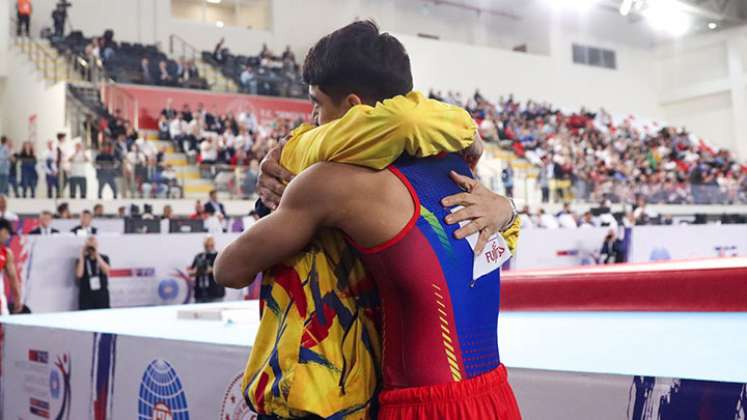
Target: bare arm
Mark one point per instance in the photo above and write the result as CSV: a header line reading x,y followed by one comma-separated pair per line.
x,y
15,286
103,265
79,267
282,234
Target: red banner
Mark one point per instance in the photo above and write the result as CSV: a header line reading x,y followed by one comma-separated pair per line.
x,y
146,102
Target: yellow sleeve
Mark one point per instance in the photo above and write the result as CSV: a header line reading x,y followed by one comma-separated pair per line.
x,y
376,136
511,235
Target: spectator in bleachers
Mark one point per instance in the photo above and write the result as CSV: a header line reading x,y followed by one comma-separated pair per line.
x,y
51,171
587,220
566,217
13,178
266,53
116,124
9,274
199,211
250,178
169,112
29,175
288,54
220,52
146,77
5,162
164,77
121,212
208,152
107,170
92,277
63,211
85,228
134,169
546,220
187,113
214,221
23,14
4,212
64,151
78,165
526,218
168,212
507,177
45,225
249,80
98,211
214,204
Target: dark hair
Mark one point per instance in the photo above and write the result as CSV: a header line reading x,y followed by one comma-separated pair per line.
x,y
359,59
4,224
61,135
87,212
63,207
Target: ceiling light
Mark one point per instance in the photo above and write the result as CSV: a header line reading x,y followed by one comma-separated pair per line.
x,y
213,1
668,16
712,25
219,24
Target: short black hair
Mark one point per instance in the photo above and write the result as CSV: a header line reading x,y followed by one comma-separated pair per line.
x,y
5,224
359,59
88,212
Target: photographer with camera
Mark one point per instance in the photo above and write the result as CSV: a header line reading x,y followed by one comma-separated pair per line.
x,y
206,289
92,277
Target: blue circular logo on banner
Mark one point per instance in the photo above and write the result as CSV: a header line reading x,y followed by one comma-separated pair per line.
x,y
660,254
54,384
161,393
168,289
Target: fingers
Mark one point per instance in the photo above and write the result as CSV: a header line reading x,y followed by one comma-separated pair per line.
x,y
482,240
466,183
470,228
467,213
271,166
460,199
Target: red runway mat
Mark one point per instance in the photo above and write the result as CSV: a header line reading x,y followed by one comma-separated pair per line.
x,y
710,285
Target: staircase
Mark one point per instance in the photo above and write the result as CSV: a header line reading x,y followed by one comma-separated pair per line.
x,y
216,80
52,66
188,174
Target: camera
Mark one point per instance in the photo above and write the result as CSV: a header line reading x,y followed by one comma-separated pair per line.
x,y
90,250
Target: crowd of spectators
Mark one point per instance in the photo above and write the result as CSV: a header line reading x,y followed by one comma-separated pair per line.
x,y
266,73
222,141
593,156
602,215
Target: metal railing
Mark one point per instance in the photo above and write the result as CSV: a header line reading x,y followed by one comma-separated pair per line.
x,y
45,62
179,48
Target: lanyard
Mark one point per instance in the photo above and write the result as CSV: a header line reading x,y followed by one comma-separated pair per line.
x,y
89,268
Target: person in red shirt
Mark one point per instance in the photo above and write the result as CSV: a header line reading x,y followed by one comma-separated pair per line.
x,y
8,268
23,8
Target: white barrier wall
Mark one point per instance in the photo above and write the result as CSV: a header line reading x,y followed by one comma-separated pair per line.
x,y
553,248
146,269
657,243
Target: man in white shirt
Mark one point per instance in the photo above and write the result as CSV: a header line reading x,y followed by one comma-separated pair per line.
x,y
4,212
547,221
208,151
78,164
566,218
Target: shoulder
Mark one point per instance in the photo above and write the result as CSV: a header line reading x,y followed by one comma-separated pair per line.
x,y
328,179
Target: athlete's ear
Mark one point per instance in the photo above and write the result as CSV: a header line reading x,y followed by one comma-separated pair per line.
x,y
353,100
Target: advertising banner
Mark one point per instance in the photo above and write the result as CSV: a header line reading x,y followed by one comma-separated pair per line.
x,y
46,373
179,380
